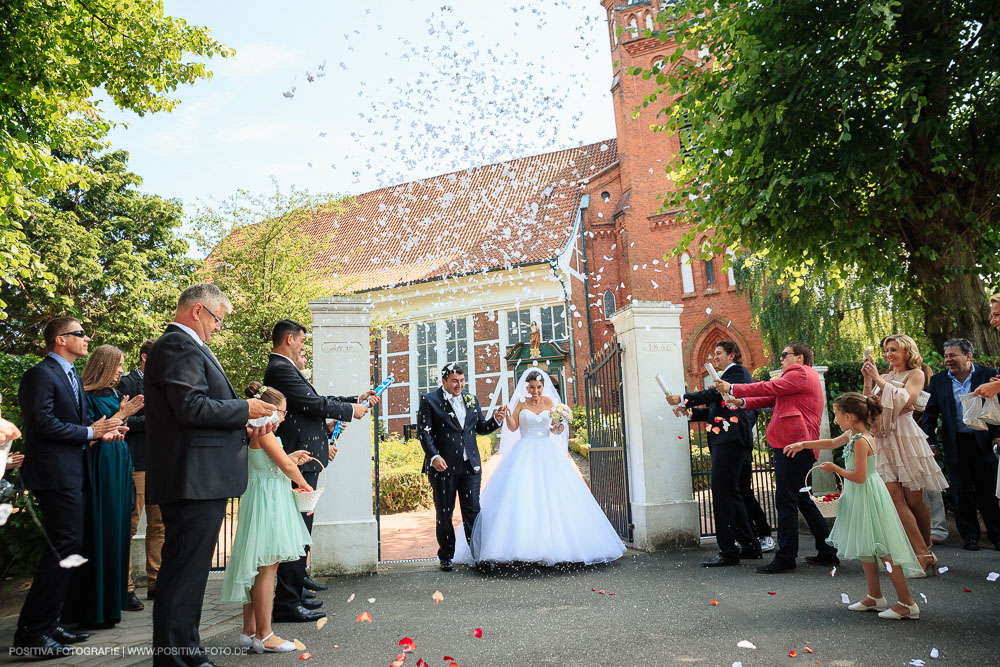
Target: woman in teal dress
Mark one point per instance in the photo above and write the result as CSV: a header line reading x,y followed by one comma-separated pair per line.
x,y
867,526
99,588
269,530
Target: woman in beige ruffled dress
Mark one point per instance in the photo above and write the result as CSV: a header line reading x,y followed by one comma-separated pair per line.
x,y
905,462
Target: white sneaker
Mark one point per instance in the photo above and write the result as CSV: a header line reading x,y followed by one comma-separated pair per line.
x,y
766,543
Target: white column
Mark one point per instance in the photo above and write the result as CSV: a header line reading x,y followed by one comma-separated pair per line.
x,y
664,511
821,482
345,534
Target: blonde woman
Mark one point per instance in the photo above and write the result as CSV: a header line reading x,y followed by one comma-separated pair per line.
x,y
99,590
905,462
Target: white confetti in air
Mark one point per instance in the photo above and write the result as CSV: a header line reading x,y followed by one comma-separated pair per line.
x,y
805,489
992,576
76,560
888,567
924,598
942,569
844,598
934,653
708,311
737,664
745,644
5,511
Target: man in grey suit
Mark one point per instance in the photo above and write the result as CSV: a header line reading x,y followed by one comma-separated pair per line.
x,y
196,436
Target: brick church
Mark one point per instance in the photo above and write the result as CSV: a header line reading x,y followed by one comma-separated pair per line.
x,y
464,266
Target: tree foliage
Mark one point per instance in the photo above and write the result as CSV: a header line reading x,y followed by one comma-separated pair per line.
x,y
57,56
116,256
844,134
262,257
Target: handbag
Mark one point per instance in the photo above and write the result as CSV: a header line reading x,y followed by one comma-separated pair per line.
x,y
972,407
922,397
991,411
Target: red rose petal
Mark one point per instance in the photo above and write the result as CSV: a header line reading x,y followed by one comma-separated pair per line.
x,y
305,656
792,654
715,603
407,644
364,617
716,430
478,632
771,593
807,649
448,658
734,420
601,591
967,590
422,663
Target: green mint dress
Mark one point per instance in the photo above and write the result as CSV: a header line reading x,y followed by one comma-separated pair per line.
x,y
269,527
867,526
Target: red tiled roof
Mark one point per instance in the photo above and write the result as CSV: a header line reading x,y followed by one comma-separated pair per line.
x,y
481,219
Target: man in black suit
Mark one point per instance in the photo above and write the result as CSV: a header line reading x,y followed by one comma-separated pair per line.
x,y
131,384
196,435
304,428
730,443
55,440
971,464
447,423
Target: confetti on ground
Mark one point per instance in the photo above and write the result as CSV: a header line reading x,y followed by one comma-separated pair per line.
x,y
364,617
715,603
737,664
833,572
76,560
437,597
371,600
934,653
917,663
772,593
407,644
844,598
993,576
967,590
350,598
601,591
305,656
924,598
478,633
807,649
321,622
942,569
888,567
792,653
422,663
299,646
745,644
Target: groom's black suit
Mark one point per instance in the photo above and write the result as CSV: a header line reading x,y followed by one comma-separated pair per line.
x,y
442,435
197,459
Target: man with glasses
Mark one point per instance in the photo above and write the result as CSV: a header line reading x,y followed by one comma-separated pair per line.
x,y
56,436
797,399
196,454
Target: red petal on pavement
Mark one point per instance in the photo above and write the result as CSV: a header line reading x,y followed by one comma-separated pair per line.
x,y
397,663
601,591
478,632
364,617
422,663
448,658
715,603
807,649
967,590
407,644
771,593
593,590
305,656
792,654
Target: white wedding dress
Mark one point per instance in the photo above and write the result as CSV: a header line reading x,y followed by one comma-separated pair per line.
x,y
537,509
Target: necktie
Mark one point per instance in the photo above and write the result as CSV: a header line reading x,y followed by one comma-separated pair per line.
x,y
73,383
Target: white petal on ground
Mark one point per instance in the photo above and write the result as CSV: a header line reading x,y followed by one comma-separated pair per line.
x,y
5,512
76,560
934,653
745,644
992,576
844,598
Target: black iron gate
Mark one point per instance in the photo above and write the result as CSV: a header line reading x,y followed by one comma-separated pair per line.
x,y
761,475
606,435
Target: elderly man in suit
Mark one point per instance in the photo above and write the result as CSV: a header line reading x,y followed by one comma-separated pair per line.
x,y
447,422
797,401
304,428
972,465
56,435
197,436
730,440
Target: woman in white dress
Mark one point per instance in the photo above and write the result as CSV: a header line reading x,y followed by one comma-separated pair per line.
x,y
536,508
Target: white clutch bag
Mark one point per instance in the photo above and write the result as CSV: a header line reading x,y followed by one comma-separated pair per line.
x,y
922,398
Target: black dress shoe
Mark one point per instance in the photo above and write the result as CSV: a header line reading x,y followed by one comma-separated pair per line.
x,y
133,603
297,614
819,559
312,604
307,594
446,566
64,636
774,567
312,585
972,544
42,647
751,554
720,561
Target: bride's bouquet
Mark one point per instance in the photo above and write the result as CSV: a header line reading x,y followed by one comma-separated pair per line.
x,y
561,414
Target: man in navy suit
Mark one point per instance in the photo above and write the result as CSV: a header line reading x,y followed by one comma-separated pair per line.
x,y
972,465
56,436
447,423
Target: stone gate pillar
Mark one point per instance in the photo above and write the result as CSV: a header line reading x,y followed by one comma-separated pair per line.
x,y
345,534
664,511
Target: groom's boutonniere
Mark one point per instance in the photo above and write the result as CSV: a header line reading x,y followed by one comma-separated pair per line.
x,y
470,401
307,373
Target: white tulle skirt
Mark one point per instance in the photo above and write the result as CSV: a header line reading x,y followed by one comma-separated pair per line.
x,y
537,509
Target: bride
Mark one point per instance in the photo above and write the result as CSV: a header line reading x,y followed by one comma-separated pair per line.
x,y
536,508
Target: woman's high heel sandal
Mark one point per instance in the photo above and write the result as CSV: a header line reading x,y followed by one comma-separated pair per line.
x,y
890,614
258,646
930,570
881,604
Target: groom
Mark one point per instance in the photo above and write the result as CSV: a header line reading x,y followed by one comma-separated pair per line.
x,y
448,422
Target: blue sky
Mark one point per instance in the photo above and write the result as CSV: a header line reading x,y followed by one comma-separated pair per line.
x,y
400,90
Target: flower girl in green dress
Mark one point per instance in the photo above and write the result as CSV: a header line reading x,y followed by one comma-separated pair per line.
x,y
867,526
269,531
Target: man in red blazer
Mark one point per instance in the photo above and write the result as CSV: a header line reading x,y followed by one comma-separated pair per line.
x,y
797,400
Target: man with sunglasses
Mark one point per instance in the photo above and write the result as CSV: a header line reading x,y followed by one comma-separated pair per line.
x,y
56,436
196,455
797,399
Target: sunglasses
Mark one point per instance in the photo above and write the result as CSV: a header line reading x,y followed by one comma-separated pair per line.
x,y
78,333
785,354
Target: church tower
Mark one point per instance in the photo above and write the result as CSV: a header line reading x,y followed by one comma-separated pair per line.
x,y
627,232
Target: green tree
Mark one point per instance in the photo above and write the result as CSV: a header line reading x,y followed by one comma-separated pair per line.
x,y
262,256
844,134
56,54
116,255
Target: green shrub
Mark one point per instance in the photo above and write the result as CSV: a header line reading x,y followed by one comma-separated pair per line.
x,y
580,447
22,542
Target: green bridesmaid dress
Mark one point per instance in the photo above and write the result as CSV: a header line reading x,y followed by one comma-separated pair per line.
x,y
867,526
